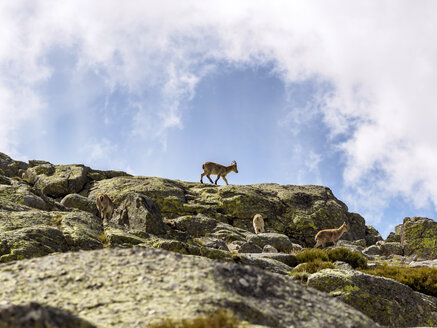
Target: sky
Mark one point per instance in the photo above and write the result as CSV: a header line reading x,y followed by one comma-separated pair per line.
x,y
333,93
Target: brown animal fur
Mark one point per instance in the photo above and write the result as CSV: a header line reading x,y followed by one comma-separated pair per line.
x,y
105,206
217,169
258,223
330,235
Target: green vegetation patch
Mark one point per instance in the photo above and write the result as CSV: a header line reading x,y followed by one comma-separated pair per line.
x,y
354,258
423,280
311,254
219,319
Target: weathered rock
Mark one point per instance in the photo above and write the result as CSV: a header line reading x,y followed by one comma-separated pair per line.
x,y
343,265
9,167
386,301
372,250
353,246
372,236
420,264
34,315
80,202
212,243
269,249
36,233
281,242
19,196
419,237
140,213
195,226
393,237
168,194
58,180
296,211
287,259
390,248
249,248
136,287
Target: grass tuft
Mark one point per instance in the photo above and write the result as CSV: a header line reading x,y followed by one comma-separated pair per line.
x,y
220,319
423,280
311,254
354,258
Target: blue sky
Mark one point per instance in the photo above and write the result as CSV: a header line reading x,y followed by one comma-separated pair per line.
x,y
335,93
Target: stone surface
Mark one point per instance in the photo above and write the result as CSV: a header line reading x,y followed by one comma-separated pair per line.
x,y
372,250
250,248
9,167
269,249
393,237
25,234
139,213
279,241
34,315
390,248
419,237
58,180
386,301
296,211
137,287
372,236
80,202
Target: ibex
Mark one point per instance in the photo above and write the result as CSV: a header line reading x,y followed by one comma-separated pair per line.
x,y
333,235
258,223
217,169
105,206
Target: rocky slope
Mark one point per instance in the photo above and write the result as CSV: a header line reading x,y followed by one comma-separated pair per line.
x,y
50,209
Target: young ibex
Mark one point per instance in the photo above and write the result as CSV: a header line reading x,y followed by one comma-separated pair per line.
x,y
217,169
258,223
105,206
332,235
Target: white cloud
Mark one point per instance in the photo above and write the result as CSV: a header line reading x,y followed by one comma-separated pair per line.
x,y
379,58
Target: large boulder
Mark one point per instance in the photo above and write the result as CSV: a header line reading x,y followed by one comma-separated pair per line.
x,y
58,180
296,211
386,301
11,168
16,195
32,233
80,202
279,241
34,315
138,212
419,237
139,287
372,236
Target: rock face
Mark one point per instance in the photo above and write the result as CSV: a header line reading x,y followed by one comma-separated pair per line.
x,y
34,315
299,212
386,301
419,237
140,213
147,286
46,208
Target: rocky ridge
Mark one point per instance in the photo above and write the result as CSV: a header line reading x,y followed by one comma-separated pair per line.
x,y
48,209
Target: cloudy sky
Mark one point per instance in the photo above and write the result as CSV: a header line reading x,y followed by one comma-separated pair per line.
x,y
336,93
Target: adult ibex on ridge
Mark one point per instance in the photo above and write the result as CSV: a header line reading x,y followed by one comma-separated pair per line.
x,y
323,236
217,169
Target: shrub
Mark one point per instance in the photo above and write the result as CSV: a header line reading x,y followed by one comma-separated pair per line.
x,y
219,319
354,258
422,280
314,266
304,270
311,254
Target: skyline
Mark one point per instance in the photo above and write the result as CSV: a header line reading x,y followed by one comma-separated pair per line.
x,y
337,94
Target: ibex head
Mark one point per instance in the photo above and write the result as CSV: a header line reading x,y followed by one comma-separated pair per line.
x,y
234,163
